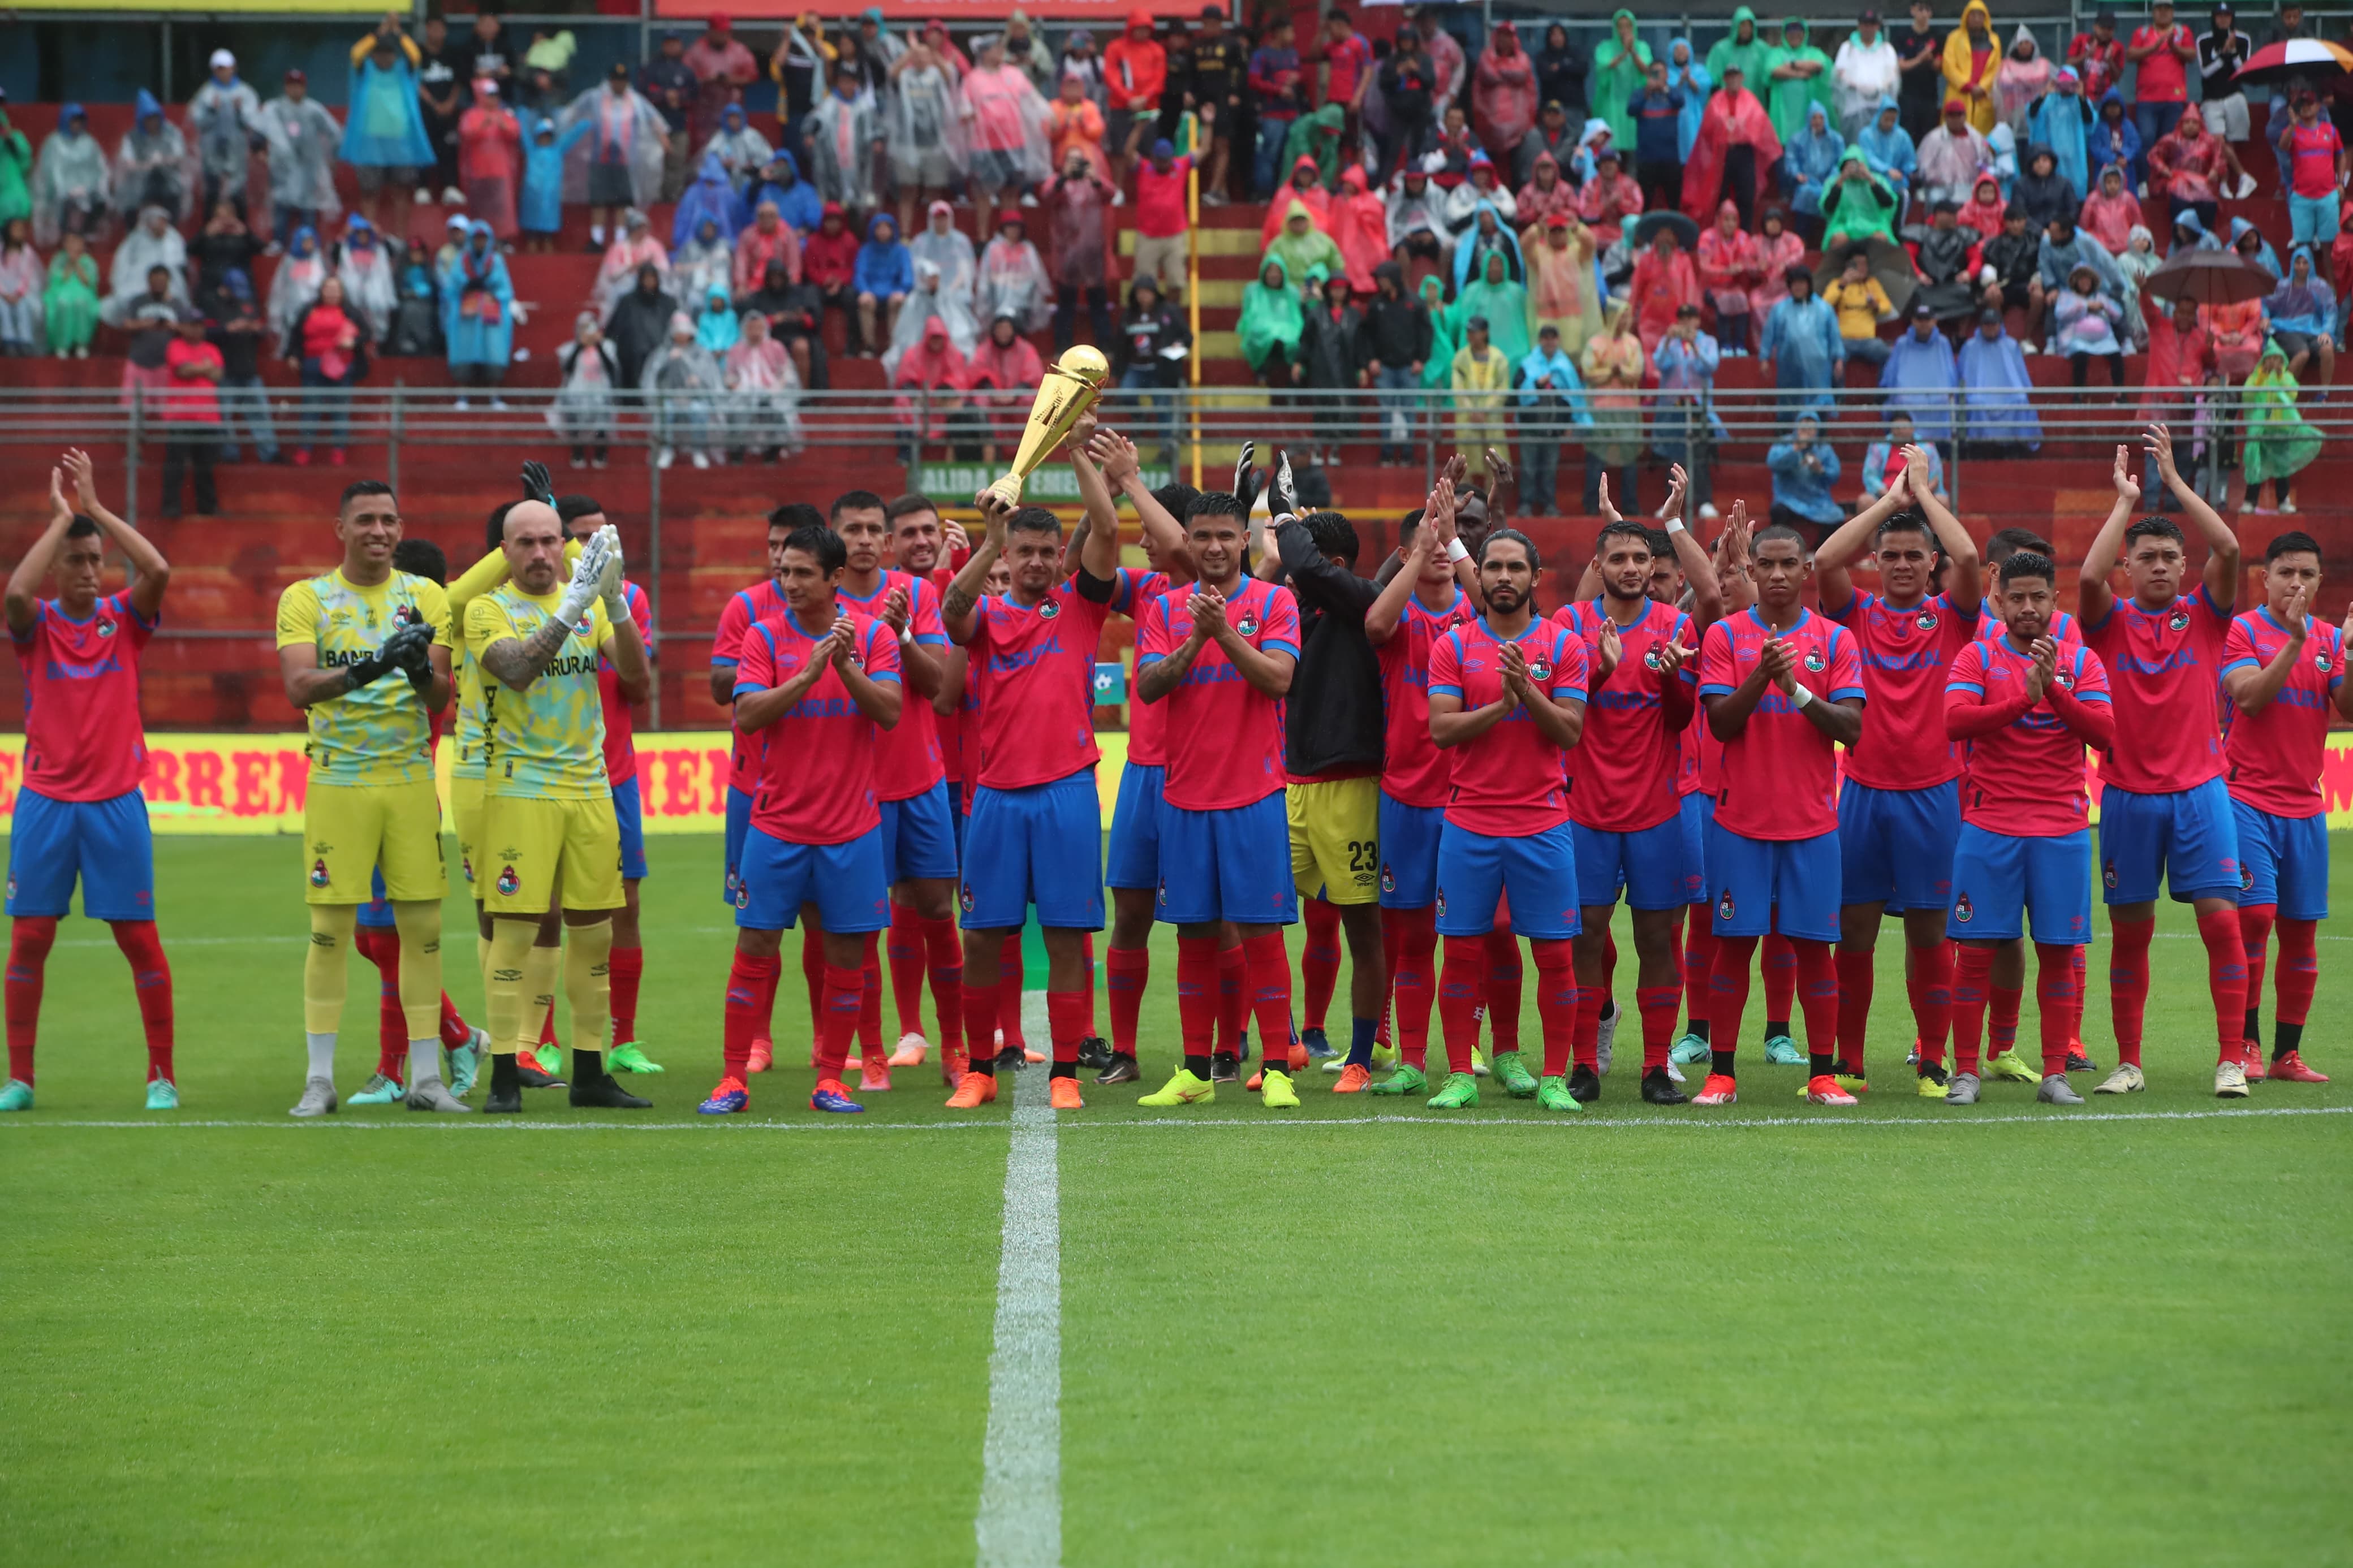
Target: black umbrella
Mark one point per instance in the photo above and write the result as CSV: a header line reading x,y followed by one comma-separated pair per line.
x,y
1646,229
1890,263
2208,278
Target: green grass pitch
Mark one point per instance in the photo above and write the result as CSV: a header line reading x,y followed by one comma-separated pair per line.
x,y
1897,1334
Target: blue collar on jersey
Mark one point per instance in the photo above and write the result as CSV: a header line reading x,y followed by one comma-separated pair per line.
x,y
1757,614
1535,623
2279,626
95,605
794,620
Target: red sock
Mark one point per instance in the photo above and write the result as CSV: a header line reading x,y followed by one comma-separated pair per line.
x,y
1011,981
1780,969
1699,962
1087,959
2003,1005
1562,1010
2082,984
1929,979
1505,978
628,966
1972,977
1854,987
1818,998
1066,1021
2299,969
1126,971
2226,977
905,950
813,973
1233,1000
944,956
455,1030
2255,940
1200,980
2054,1001
2129,982
1609,965
1319,961
1269,970
381,946
845,999
1458,998
1727,990
547,1025
1658,1006
150,978
748,981
765,1004
1586,1036
29,955
1417,952
870,995
980,1014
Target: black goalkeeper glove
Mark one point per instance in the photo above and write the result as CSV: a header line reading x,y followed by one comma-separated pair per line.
x,y
411,649
537,485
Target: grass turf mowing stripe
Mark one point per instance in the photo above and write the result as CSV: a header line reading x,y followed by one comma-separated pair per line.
x,y
1019,1522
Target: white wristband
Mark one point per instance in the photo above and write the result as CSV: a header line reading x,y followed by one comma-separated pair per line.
x,y
1799,697
906,636
1457,550
1675,525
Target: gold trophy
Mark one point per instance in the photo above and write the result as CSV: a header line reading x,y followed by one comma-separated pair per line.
x,y
1071,386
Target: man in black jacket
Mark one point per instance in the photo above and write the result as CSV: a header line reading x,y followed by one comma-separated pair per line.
x,y
1140,357
1397,337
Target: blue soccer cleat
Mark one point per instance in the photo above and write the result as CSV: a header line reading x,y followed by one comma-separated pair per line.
x,y
726,1099
829,1095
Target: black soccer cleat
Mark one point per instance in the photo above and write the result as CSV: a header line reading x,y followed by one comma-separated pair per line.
x,y
534,1078
603,1093
1094,1053
507,1104
1584,1084
1121,1070
1658,1088
1225,1067
1012,1058
2078,1062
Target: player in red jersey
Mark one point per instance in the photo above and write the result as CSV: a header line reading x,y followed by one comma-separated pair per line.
x,y
1783,689
2165,813
2025,706
2283,673
1036,831
815,684
79,813
1623,811
1898,810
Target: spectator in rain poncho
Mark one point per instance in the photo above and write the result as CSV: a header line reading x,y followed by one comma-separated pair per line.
x,y
1562,292
541,211
69,304
1358,223
1306,188
1012,278
1315,137
884,278
2111,212
21,281
1665,282
686,378
741,150
384,128
1300,244
2279,444
944,247
1004,372
1612,203
1800,77
1480,188
223,114
1744,49
416,318
1497,295
1444,340
1586,162
931,301
1552,403
795,313
2134,266
619,165
1415,207
2249,242
1993,369
154,166
932,365
478,318
639,322
924,128
1972,58
2061,121
2112,138
2302,315
1889,147
633,248
1730,263
71,185
154,243
15,171
1687,76
763,391
1801,340
1736,146
1984,212
715,328
705,262
298,135
1811,159
2085,322
1614,368
1866,71
1946,259
1951,157
709,200
1619,61
1503,92
1859,205
1078,227
1545,193
2023,77
2041,192
302,273
490,161
1882,460
584,411
2063,247
1271,324
844,133
1777,250
365,269
1006,130
1918,375
796,201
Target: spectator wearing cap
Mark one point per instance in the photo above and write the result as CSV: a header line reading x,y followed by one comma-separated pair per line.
x,y
1277,95
2313,154
626,149
1687,428
1080,55
2098,56
1919,373
1551,403
298,135
1162,238
1482,380
669,84
2222,50
2163,49
1221,71
222,117
1136,71
188,405
1950,156
443,68
723,67
1864,70
490,160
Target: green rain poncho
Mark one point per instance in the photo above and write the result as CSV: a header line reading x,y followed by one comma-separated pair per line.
x,y
1444,339
1504,304
1271,315
1859,210
1317,136
2279,442
1749,57
1298,252
1616,78
1788,99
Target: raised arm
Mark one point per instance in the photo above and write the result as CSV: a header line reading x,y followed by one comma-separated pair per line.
x,y
516,662
2093,597
151,574
2222,574
1116,455
24,598
1849,542
1387,612
1964,578
963,598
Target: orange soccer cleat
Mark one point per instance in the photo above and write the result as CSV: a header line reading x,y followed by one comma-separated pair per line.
x,y
763,1054
1823,1090
2290,1069
912,1048
1298,1058
974,1089
1353,1078
875,1075
1719,1089
1063,1095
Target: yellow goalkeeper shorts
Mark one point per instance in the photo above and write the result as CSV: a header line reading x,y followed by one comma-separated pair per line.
x,y
349,830
536,854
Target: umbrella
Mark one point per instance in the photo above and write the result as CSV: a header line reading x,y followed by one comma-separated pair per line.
x,y
1646,227
2313,58
2208,278
1889,263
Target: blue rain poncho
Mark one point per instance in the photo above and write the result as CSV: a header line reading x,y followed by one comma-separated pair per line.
x,y
477,309
1811,159
1801,338
1994,371
541,211
387,128
711,199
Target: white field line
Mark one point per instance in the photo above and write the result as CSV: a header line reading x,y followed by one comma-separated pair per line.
x,y
1019,1522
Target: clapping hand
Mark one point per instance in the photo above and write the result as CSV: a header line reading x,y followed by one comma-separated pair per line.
x,y
1208,609
1609,649
894,611
2046,654
1778,660
2127,488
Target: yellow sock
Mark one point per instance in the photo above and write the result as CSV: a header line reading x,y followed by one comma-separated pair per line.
x,y
588,983
509,987
323,977
419,925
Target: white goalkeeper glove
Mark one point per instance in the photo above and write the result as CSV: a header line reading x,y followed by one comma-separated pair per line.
x,y
608,580
587,575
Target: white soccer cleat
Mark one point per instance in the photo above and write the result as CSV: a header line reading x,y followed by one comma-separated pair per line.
x,y
2126,1080
318,1098
2229,1080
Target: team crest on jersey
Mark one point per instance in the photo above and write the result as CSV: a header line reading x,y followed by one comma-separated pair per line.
x,y
1651,659
1723,906
1539,669
743,894
1389,878
2178,620
2108,872
1963,911
509,884
1049,610
1814,661
2320,660
963,896
2065,677
319,877
1248,626
1927,621
106,629
12,887
405,615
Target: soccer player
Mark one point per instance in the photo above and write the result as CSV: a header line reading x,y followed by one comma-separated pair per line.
x,y
2284,672
2165,813
919,843
1507,695
583,517
1036,831
2026,707
1699,779
813,685
1899,806
364,652
1783,690
1221,654
79,813
1625,817
548,822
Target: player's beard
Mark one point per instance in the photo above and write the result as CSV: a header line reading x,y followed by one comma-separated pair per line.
x,y
1505,600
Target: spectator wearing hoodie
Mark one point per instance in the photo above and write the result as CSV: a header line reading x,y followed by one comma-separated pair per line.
x,y
884,276
1163,236
1146,353
541,212
1397,338
223,115
239,332
829,265
1136,71
1552,403
1077,204
780,181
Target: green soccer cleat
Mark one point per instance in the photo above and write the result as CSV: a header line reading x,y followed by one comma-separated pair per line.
x,y
1511,1071
1182,1090
379,1091
630,1058
17,1096
2014,1067
465,1064
1404,1080
1783,1052
1553,1095
161,1096
1459,1091
1688,1050
1275,1091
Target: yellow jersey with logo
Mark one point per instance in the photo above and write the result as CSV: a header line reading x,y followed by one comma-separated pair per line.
x,y
383,733
547,740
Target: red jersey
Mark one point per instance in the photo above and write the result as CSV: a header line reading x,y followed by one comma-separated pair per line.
x,y
1627,754
1147,723
1224,740
2272,758
1700,763
2312,150
2026,779
907,760
2163,669
1414,772
761,601
83,739
1906,656
1510,781
620,747
1781,774
948,728
1036,669
817,786
2164,75
2062,630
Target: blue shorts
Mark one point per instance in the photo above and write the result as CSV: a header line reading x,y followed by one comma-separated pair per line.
x,y
1040,845
1135,827
1409,853
1895,846
106,843
1231,865
919,838
628,810
1476,870
739,823
377,910
1698,816
2283,860
2000,880
2189,838
1648,865
1764,885
845,881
